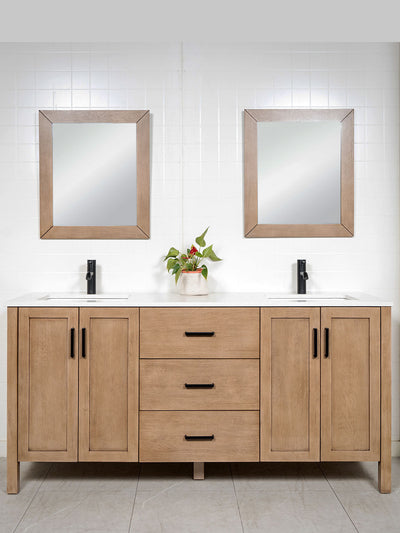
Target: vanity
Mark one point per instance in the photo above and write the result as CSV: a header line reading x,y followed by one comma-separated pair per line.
x,y
223,377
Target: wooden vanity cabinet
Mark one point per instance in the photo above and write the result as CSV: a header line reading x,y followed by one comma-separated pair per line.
x,y
215,384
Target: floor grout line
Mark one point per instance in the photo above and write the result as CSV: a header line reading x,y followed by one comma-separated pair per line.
x,y
237,501
337,497
33,497
134,498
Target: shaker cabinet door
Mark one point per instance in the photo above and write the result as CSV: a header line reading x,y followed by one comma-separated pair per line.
x,y
108,384
290,384
48,384
350,384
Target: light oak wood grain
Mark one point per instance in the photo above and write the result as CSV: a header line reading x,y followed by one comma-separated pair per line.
x,y
350,384
108,385
47,385
198,471
385,464
236,332
162,436
12,401
290,385
235,384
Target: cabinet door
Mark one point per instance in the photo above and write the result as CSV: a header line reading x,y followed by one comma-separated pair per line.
x,y
290,384
48,384
108,384
350,390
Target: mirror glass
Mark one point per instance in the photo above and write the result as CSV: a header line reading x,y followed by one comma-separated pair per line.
x,y
94,174
299,172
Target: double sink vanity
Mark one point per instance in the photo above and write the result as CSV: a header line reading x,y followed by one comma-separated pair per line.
x,y
224,377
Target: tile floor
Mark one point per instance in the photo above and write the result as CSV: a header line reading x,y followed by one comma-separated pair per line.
x,y
284,497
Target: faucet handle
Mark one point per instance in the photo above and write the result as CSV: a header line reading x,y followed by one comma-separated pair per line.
x,y
89,276
305,275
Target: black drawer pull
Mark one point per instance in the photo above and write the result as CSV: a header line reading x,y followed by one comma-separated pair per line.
x,y
315,335
83,342
199,333
326,342
199,437
72,342
199,385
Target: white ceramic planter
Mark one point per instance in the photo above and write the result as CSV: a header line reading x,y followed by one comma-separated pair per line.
x,y
193,284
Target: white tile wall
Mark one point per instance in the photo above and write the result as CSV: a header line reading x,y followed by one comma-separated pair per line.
x,y
196,94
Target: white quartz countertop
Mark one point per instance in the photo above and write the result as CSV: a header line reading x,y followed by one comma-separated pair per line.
x,y
216,299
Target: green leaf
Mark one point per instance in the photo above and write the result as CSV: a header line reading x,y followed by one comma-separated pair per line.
x,y
198,254
200,240
176,268
207,251
171,263
173,252
177,274
204,272
213,256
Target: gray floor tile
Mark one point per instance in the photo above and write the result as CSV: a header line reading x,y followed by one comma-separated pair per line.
x,y
32,475
177,509
278,477
156,477
12,509
75,512
359,476
372,512
109,477
297,512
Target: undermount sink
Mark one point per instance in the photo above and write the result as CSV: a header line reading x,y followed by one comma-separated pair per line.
x,y
312,296
83,296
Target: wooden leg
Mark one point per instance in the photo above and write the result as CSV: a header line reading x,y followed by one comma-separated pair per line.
x,y
12,401
12,476
385,465
198,470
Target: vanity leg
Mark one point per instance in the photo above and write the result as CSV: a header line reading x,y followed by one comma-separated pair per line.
x,y
12,401
385,464
198,470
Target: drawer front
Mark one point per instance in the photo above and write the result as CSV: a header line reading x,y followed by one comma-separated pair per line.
x,y
205,384
199,332
171,436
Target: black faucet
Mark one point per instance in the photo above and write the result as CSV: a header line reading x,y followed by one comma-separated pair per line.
x,y
91,276
302,276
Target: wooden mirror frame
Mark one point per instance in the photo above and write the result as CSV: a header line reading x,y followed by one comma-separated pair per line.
x,y
346,226
142,228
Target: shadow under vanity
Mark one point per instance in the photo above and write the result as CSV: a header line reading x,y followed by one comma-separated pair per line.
x,y
229,377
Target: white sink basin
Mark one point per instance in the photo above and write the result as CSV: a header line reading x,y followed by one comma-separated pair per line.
x,y
86,297
311,296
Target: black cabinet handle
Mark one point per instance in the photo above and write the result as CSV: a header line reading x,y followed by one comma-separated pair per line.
x,y
315,337
199,437
83,342
72,342
326,343
199,333
199,385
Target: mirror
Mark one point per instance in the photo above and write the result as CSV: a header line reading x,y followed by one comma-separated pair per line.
x,y
94,174
299,173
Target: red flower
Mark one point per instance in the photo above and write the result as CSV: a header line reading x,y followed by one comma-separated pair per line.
x,y
193,250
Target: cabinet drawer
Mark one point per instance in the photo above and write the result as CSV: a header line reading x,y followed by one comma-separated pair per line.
x,y
199,384
171,436
200,332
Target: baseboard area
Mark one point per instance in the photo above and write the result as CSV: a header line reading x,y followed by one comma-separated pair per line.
x,y
395,448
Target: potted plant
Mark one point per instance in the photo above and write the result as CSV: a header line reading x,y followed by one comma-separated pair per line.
x,y
190,267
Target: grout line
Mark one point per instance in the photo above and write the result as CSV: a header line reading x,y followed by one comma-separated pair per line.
x,y
134,498
33,497
337,497
237,501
